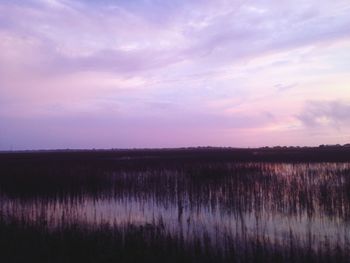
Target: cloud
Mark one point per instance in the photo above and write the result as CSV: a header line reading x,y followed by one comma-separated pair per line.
x,y
195,66
285,87
123,37
333,114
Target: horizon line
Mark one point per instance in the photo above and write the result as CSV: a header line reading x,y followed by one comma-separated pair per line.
x,y
174,148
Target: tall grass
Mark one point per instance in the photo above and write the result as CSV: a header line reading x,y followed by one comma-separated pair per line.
x,y
176,207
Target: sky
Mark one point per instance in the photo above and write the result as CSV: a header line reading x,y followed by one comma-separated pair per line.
x,y
179,73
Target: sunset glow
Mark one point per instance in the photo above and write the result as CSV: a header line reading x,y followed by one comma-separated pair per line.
x,y
125,74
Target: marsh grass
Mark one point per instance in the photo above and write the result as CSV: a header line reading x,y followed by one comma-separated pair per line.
x,y
176,207
22,242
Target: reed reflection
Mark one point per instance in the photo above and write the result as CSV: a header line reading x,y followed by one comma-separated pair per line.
x,y
272,201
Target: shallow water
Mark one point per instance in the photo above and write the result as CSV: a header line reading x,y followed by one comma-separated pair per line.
x,y
308,203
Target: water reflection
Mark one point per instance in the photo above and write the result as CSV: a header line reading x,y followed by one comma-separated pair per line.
x,y
308,202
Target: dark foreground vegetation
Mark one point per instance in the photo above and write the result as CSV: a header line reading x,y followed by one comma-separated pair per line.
x,y
182,205
78,243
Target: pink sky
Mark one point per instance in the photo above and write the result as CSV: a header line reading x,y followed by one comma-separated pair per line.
x,y
125,74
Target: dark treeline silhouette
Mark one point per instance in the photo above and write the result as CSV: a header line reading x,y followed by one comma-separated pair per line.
x,y
323,153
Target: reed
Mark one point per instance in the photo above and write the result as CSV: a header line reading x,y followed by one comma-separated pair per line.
x,y
178,206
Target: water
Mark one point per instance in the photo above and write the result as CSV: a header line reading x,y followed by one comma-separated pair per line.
x,y
307,203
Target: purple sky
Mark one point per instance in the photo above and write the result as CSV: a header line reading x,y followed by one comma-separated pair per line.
x,y
157,73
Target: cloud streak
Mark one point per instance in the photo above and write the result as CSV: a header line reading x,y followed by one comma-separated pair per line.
x,y
242,68
325,113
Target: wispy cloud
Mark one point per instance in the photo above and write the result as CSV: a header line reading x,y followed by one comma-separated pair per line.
x,y
198,66
326,113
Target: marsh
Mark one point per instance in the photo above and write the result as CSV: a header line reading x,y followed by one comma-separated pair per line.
x,y
150,207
